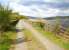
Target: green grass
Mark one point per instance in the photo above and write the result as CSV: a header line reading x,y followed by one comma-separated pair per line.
x,y
5,39
11,35
57,40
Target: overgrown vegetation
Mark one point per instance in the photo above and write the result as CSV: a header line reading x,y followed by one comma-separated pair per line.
x,y
8,21
6,40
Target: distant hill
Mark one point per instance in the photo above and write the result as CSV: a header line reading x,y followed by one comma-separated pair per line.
x,y
51,18
32,17
60,17
64,20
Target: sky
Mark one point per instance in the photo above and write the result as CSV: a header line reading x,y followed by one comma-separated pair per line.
x,y
39,8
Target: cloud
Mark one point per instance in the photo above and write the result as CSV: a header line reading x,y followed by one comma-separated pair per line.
x,y
64,12
52,4
43,8
34,10
22,9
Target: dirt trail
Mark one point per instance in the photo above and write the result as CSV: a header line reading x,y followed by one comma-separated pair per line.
x,y
26,45
46,42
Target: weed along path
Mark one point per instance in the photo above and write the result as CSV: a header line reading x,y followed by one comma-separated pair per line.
x,y
46,42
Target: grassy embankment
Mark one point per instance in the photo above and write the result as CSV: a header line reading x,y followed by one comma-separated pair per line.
x,y
32,43
57,40
6,42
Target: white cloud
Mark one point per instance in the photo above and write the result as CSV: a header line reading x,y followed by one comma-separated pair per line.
x,y
30,11
37,10
64,12
54,1
57,1
16,1
22,9
49,12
